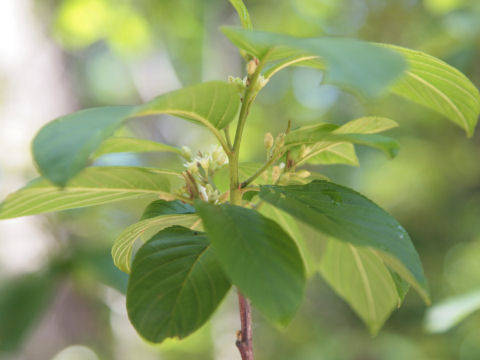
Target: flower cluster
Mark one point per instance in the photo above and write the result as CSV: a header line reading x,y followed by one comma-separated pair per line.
x,y
199,173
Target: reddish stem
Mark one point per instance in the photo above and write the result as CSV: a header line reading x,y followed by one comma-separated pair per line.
x,y
244,336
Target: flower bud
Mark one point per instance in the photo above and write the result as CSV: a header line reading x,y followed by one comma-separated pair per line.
x,y
251,67
186,153
275,173
303,174
268,140
280,141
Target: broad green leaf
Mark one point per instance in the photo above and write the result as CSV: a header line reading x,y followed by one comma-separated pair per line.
x,y
314,134
290,225
123,246
343,213
242,13
448,313
357,65
359,276
326,152
258,256
94,186
433,83
63,147
163,207
175,285
127,144
22,302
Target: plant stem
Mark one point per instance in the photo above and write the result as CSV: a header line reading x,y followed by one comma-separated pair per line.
x,y
244,336
261,170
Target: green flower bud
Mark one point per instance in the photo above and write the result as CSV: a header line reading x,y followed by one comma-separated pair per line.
x,y
252,66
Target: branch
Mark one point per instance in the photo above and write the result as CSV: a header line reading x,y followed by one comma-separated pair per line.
x,y
244,336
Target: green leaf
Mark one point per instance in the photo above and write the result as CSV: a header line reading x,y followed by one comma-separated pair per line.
x,y
334,152
290,225
315,134
258,256
22,302
343,153
359,276
134,145
163,207
63,147
213,104
175,285
347,215
94,186
433,83
242,13
357,65
148,226
448,313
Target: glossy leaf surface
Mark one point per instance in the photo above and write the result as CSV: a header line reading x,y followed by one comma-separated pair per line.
x,y
175,285
343,213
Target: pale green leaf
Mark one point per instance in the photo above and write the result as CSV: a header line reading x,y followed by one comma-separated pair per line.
x,y
163,207
123,245
317,135
258,256
133,145
357,65
175,285
449,312
433,83
333,152
94,186
359,276
343,213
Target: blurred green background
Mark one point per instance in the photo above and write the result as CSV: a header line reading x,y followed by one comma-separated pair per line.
x,y
60,296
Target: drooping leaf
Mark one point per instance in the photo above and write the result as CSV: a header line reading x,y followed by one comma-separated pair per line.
x,y
449,312
63,147
94,186
359,276
134,145
258,256
343,213
22,302
123,245
175,285
358,65
433,83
